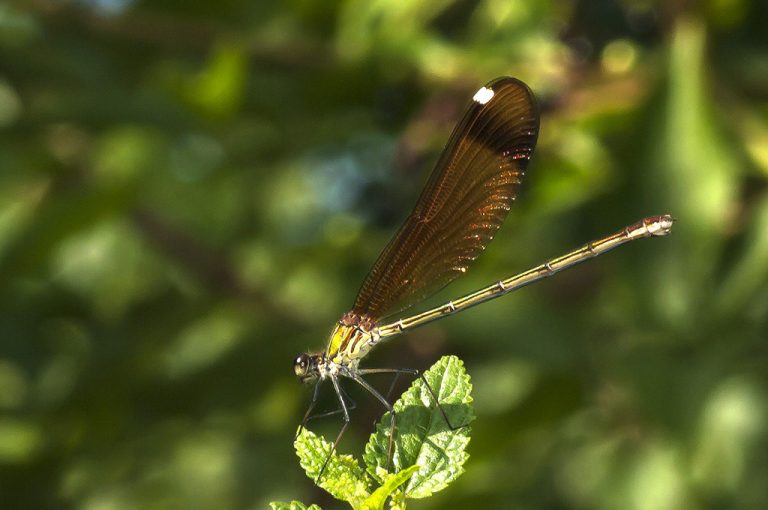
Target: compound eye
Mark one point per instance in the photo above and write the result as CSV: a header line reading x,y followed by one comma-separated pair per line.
x,y
300,365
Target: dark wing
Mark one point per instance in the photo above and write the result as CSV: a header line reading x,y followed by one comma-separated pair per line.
x,y
463,204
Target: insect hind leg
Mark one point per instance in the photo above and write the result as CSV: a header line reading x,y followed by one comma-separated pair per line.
x,y
357,377
416,373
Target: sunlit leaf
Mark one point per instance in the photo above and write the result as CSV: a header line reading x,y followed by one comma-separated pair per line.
x,y
391,483
343,477
423,437
293,505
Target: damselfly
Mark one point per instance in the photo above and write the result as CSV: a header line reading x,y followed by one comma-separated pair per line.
x,y
464,203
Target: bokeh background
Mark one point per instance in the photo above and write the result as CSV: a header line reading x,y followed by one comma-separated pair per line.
x,y
192,192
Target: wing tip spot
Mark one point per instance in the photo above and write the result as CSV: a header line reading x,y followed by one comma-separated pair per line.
x,y
483,95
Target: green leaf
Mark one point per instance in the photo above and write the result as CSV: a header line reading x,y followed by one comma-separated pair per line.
x,y
343,477
293,505
391,483
423,437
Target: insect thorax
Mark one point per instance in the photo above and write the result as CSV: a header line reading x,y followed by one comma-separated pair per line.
x,y
351,339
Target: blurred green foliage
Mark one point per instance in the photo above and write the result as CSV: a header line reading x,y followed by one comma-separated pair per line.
x,y
191,193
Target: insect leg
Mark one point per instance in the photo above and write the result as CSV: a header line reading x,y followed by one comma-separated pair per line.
x,y
416,373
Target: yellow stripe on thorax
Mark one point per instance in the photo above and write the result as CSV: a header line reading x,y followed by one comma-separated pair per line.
x,y
347,343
